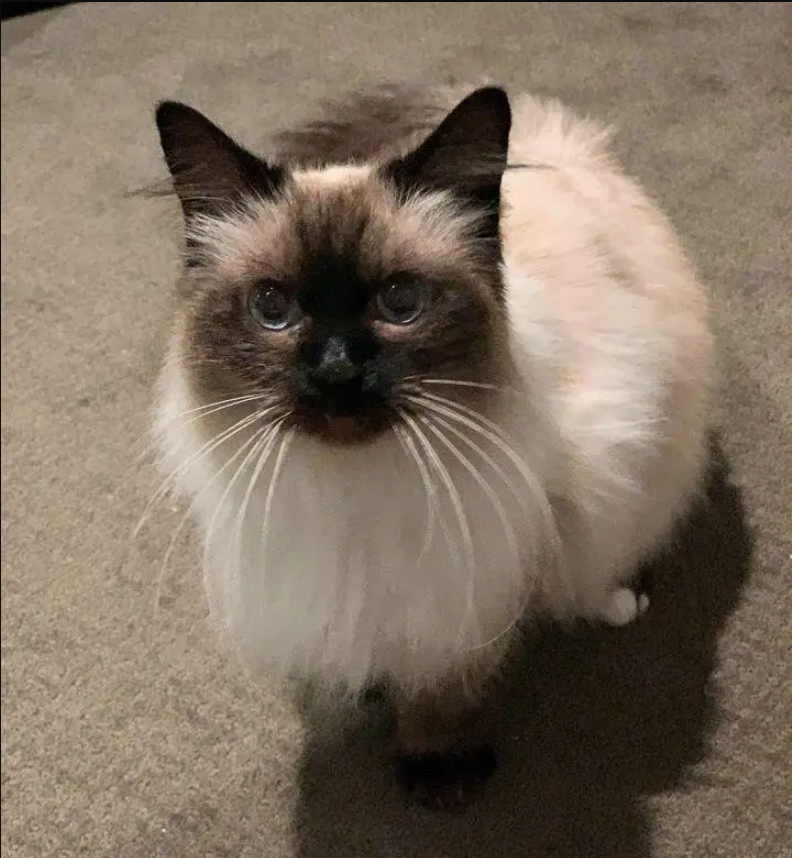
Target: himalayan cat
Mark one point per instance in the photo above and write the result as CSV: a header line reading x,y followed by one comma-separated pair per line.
x,y
438,368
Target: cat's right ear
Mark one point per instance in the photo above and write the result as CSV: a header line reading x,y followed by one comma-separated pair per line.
x,y
210,171
466,154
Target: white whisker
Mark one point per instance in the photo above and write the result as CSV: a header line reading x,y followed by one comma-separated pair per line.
x,y
261,438
430,468
172,479
191,508
459,510
210,406
500,510
431,425
264,456
200,412
408,445
477,448
276,470
457,382
493,433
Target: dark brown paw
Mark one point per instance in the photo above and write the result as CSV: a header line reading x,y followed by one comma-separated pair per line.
x,y
447,782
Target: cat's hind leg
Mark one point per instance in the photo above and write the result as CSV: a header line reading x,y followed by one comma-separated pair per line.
x,y
626,602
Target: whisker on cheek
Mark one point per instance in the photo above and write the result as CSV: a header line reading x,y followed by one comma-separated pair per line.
x,y
468,561
276,472
508,530
171,481
416,382
193,505
432,512
471,419
265,451
486,458
262,438
194,415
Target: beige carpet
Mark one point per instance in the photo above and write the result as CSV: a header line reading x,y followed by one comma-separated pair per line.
x,y
125,731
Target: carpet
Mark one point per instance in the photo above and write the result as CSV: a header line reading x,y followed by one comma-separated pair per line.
x,y
126,731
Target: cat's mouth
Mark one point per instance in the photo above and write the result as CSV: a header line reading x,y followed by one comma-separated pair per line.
x,y
346,429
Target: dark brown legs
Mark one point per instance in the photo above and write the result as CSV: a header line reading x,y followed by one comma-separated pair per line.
x,y
443,753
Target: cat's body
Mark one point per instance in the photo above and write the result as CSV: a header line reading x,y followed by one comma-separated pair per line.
x,y
532,478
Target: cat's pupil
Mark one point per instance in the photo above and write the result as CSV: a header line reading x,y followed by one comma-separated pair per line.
x,y
271,307
272,303
401,302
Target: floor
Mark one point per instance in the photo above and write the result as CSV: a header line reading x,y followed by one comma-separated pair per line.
x,y
126,732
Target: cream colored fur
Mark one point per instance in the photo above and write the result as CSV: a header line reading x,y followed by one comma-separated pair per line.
x,y
606,408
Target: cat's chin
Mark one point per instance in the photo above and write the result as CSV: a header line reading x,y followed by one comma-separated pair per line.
x,y
343,429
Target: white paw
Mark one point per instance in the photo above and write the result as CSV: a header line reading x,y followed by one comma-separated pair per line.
x,y
624,606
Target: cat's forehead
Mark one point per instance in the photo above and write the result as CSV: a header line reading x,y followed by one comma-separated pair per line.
x,y
346,214
333,177
338,213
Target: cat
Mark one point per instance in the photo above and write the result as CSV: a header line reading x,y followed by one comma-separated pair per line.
x,y
438,368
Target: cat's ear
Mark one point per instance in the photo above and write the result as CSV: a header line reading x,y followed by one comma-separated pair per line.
x,y
467,152
210,171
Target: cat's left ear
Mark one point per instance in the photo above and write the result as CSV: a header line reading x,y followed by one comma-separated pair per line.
x,y
466,154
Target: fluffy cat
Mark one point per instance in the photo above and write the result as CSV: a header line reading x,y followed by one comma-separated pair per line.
x,y
436,369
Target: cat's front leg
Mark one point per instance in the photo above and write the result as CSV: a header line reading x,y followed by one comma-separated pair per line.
x,y
443,757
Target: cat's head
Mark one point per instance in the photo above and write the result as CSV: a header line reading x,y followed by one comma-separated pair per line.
x,y
337,290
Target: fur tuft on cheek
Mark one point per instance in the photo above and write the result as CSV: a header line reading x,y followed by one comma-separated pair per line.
x,y
226,354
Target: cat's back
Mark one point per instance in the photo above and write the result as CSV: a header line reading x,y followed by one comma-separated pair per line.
x,y
585,247
365,126
604,303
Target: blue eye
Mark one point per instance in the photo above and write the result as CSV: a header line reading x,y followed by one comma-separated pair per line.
x,y
272,307
403,301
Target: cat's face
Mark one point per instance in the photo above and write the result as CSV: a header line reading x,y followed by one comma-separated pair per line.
x,y
334,291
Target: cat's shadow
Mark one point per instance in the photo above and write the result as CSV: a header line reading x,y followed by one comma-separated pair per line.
x,y
589,726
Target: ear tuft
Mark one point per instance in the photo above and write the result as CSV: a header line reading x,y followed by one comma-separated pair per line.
x,y
210,171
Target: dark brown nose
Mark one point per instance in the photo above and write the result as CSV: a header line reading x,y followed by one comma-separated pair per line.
x,y
335,365
335,377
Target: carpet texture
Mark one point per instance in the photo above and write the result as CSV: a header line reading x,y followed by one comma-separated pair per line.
x,y
126,732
